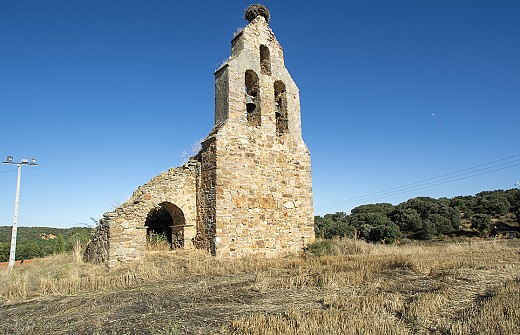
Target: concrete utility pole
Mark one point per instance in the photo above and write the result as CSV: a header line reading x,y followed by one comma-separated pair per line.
x,y
9,160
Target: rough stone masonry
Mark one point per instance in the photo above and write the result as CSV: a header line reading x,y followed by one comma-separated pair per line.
x,y
248,190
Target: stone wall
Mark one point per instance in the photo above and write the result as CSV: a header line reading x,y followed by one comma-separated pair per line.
x,y
174,189
263,194
99,245
207,194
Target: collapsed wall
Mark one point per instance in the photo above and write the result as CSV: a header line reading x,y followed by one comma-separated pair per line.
x,y
173,193
99,245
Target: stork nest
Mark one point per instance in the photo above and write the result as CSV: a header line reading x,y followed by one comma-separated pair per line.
x,y
254,10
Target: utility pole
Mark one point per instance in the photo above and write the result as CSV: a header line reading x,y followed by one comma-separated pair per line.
x,y
9,160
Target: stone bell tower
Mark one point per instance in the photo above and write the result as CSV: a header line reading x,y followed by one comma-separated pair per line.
x,y
255,180
248,191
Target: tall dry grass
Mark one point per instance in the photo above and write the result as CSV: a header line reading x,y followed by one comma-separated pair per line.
x,y
410,289
360,288
319,322
498,313
67,274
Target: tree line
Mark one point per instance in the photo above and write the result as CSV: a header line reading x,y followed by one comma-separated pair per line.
x,y
423,218
34,242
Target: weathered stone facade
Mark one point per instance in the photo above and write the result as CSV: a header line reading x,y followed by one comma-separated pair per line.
x,y
249,189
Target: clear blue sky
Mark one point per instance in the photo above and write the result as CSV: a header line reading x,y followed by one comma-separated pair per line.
x,y
107,94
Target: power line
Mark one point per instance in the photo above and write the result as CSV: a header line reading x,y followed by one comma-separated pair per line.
x,y
431,182
416,188
433,178
424,184
380,195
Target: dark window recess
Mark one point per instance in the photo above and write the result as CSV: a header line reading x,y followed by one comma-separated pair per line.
x,y
280,99
252,98
265,60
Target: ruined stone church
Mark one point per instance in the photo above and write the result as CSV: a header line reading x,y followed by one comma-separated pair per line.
x,y
248,190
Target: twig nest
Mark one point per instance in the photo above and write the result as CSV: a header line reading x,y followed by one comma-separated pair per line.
x,y
254,10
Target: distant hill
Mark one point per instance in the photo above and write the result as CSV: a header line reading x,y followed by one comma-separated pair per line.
x,y
33,242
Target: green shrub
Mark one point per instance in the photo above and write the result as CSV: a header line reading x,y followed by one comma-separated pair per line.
x,y
481,222
321,247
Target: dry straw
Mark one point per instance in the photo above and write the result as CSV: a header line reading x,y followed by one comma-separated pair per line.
x,y
256,10
359,288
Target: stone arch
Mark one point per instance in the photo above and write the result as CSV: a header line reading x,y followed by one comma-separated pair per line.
x,y
168,220
252,88
280,98
158,225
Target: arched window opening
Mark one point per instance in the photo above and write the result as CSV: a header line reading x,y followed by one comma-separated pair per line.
x,y
165,224
178,225
158,227
252,89
280,99
265,60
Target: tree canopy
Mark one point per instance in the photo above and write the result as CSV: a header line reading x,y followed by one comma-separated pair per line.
x,y
35,242
420,218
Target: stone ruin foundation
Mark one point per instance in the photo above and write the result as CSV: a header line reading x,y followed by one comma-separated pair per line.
x,y
248,191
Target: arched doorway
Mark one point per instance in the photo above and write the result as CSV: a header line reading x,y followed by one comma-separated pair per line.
x,y
166,222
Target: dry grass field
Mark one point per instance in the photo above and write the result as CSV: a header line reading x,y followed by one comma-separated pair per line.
x,y
360,288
